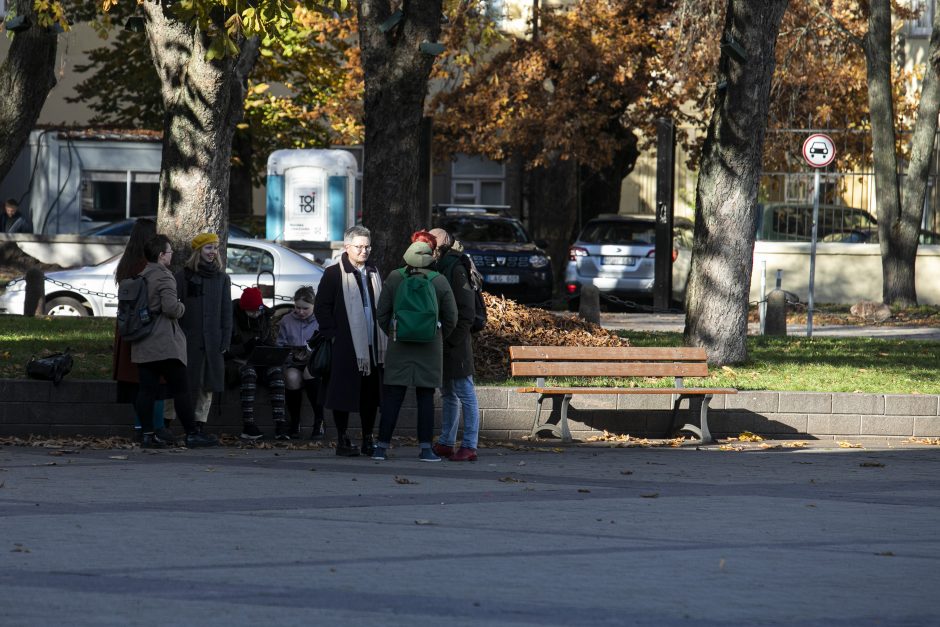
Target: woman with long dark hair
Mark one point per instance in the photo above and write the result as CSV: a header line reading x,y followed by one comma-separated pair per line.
x,y
123,370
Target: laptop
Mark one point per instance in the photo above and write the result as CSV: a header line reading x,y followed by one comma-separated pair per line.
x,y
269,355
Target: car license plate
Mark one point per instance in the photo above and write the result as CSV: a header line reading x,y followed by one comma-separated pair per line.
x,y
619,261
502,278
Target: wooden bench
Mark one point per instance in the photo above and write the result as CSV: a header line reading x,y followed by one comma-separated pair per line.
x,y
579,361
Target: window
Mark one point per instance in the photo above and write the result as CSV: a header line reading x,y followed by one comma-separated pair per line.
x,y
109,196
922,26
247,260
477,181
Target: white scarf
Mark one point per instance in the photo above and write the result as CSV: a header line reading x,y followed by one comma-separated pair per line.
x,y
355,314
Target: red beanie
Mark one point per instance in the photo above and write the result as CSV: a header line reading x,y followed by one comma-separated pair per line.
x,y
251,299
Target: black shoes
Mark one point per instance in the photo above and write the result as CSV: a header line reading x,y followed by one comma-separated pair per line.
x,y
154,440
198,440
318,431
281,430
251,432
368,446
345,448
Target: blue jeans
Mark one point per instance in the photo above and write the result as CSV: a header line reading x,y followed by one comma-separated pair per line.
x,y
455,394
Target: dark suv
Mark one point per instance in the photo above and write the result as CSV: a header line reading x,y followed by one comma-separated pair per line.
x,y
511,263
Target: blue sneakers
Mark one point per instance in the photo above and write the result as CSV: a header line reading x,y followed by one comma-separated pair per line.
x,y
428,455
378,453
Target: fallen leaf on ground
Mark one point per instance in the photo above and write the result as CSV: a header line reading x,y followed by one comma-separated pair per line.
x,y
511,480
583,490
848,445
650,495
747,436
421,521
872,465
117,457
404,480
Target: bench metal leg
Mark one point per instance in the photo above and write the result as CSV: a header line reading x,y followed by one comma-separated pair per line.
x,y
560,430
701,431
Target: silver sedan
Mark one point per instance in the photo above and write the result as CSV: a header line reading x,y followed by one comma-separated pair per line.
x,y
91,291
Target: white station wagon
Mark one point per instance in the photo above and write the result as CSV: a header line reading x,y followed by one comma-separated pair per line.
x,y
91,291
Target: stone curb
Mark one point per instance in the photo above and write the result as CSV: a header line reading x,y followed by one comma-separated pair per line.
x,y
79,407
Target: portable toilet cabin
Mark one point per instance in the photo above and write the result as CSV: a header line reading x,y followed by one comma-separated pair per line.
x,y
311,197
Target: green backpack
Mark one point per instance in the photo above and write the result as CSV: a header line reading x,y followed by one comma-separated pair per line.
x,y
414,314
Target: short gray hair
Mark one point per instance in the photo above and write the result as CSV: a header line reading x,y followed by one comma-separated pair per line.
x,y
356,231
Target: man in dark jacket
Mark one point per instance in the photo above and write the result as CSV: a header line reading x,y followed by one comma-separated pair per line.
x,y
12,221
457,391
345,310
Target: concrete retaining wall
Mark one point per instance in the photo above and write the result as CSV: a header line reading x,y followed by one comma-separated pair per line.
x,y
89,408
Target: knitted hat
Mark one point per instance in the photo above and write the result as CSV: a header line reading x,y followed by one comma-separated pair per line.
x,y
419,255
251,299
204,238
443,237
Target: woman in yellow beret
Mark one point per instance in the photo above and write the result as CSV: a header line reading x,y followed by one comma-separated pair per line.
x,y
205,290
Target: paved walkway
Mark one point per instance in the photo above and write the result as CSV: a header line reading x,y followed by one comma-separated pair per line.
x,y
568,536
676,323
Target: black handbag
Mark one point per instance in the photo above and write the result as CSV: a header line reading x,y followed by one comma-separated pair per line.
x,y
321,358
51,367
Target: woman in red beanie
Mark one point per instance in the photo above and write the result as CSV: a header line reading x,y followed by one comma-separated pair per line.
x,y
251,326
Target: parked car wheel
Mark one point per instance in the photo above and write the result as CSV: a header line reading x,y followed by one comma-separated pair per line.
x,y
65,306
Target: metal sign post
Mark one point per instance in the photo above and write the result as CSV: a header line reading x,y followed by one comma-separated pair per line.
x,y
818,151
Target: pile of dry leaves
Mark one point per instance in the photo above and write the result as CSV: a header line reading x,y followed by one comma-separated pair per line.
x,y
511,324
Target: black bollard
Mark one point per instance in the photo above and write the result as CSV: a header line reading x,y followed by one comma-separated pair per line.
x,y
775,321
590,307
35,301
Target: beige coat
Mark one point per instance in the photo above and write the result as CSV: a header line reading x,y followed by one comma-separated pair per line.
x,y
167,340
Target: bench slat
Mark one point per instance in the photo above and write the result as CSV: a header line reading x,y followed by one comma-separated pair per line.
x,y
687,391
609,369
607,353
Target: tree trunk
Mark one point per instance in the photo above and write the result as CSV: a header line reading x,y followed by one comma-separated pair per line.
x,y
553,210
396,80
204,100
27,76
726,194
898,248
918,171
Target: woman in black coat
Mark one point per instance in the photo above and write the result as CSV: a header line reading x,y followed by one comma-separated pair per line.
x,y
345,310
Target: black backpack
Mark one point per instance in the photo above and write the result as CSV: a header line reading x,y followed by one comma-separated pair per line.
x,y
476,283
135,321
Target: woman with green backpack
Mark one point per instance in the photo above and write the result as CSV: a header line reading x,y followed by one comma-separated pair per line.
x,y
416,310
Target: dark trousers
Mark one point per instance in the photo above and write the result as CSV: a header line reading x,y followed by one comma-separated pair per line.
x,y
368,405
174,373
392,398
274,378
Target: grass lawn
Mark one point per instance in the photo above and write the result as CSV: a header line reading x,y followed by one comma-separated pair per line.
x,y
776,363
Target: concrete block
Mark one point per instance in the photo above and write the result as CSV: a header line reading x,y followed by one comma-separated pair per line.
x,y
757,402
25,390
594,401
927,427
887,425
509,419
733,422
644,401
833,424
911,405
497,398
785,424
27,413
850,403
23,430
805,402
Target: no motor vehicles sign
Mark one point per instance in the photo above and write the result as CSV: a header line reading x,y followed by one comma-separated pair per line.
x,y
818,150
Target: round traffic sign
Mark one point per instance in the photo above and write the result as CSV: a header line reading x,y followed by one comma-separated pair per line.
x,y
819,150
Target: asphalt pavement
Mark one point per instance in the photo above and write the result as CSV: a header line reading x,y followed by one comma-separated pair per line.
x,y
574,535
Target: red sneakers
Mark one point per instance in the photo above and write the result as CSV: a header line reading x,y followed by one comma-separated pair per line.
x,y
464,455
442,450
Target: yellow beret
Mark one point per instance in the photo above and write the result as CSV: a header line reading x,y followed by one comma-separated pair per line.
x,y
204,238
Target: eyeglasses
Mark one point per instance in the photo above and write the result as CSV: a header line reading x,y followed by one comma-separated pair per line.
x,y
366,248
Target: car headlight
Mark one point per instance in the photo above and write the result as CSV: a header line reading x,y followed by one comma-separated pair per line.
x,y
538,261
